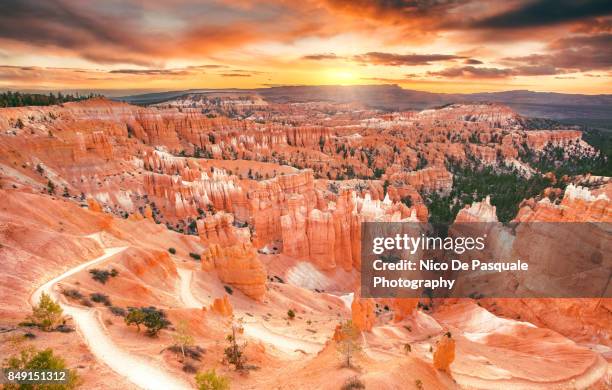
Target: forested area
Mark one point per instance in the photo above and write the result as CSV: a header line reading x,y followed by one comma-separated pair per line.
x,y
19,99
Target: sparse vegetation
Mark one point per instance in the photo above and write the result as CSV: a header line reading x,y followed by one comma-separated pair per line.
x,y
63,328
31,359
228,289
195,256
152,318
407,200
47,314
86,302
353,383
234,353
182,337
50,187
189,368
348,344
100,298
102,276
172,251
558,160
117,311
209,380
194,352
333,187
72,293
291,314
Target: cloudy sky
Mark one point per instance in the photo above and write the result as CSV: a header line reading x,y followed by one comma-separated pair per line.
x,y
433,45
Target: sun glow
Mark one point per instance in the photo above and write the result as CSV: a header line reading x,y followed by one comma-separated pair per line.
x,y
341,76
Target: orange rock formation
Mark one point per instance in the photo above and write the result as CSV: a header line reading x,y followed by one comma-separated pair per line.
x,y
444,354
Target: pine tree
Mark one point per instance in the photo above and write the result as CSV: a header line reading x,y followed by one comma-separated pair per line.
x,y
47,314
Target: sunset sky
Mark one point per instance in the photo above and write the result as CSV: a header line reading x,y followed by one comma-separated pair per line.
x,y
432,45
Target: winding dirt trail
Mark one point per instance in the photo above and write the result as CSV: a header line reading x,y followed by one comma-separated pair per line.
x,y
141,372
189,300
283,343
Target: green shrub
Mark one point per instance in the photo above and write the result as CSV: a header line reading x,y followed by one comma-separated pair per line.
x,y
118,311
153,319
353,383
102,276
195,256
72,293
291,314
100,298
234,353
209,380
189,368
47,314
31,359
172,251
228,290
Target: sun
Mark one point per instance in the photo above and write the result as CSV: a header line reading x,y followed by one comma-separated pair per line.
x,y
341,76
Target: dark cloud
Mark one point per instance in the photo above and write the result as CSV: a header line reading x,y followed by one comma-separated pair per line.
x,y
545,13
154,72
135,32
207,66
598,25
72,26
235,75
392,59
321,57
251,72
383,80
407,77
142,36
566,55
536,70
494,73
398,10
573,54
473,72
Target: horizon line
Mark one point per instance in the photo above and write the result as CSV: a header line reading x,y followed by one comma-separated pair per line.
x,y
115,92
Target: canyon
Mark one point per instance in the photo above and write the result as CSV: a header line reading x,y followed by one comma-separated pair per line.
x,y
238,208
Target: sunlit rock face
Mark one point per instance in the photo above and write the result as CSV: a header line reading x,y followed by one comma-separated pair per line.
x,y
136,160
444,353
131,159
239,266
222,306
537,140
542,238
477,212
362,312
577,205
